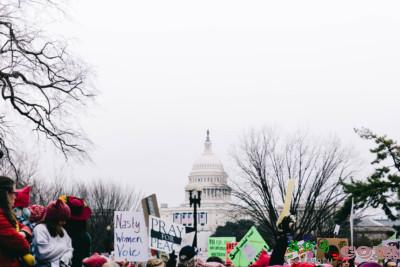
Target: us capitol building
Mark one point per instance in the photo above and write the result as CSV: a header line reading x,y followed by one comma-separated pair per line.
x,y
209,176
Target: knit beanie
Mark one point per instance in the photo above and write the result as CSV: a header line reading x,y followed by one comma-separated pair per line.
x,y
22,199
186,253
58,211
38,213
370,264
94,261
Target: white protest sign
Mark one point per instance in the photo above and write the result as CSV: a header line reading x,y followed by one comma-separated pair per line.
x,y
165,236
130,236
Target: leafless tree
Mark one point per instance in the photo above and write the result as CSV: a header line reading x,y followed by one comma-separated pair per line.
x,y
40,82
266,162
44,191
25,167
104,198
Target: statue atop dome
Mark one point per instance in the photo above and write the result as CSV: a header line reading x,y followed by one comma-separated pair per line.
x,y
207,144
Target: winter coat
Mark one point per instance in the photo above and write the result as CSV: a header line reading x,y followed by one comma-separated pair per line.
x,y
81,242
51,251
12,244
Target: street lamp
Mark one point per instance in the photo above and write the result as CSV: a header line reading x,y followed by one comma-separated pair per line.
x,y
195,201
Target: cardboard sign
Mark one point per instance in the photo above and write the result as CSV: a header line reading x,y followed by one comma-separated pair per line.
x,y
165,236
150,207
327,245
130,236
217,246
248,249
229,247
288,201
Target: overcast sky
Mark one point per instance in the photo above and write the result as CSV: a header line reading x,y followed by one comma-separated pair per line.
x,y
168,70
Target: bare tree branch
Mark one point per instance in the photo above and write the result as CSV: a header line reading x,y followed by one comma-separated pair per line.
x,y
265,164
40,81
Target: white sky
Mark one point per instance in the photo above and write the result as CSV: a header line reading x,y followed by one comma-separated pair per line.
x,y
168,70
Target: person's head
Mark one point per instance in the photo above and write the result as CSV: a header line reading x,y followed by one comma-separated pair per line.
x,y
7,191
38,213
369,264
7,198
155,262
391,263
111,264
215,259
187,257
80,213
56,216
346,262
95,260
295,260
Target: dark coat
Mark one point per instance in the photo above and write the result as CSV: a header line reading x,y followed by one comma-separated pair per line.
x,y
81,243
12,244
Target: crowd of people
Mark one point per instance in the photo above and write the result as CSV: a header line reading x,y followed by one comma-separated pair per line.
x,y
56,236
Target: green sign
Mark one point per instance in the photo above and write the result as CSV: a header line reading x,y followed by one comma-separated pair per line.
x,y
217,246
248,249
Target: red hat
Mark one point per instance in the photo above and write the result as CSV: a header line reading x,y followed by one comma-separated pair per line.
x,y
263,260
79,210
303,264
94,261
58,211
22,198
38,213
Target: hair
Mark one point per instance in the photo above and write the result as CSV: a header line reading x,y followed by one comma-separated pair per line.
x,y
111,264
54,228
154,262
75,227
7,186
215,259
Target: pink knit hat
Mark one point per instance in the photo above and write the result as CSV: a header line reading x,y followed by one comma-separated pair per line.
x,y
58,211
38,213
95,260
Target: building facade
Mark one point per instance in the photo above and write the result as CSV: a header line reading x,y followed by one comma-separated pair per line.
x,y
209,177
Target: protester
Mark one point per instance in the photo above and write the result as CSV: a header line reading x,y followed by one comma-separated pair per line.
x,y
52,243
111,264
14,247
95,260
369,264
390,263
76,228
346,262
21,205
187,257
215,259
155,262
284,230
38,213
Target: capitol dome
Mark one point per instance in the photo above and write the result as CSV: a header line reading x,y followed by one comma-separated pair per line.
x,y
208,162
208,175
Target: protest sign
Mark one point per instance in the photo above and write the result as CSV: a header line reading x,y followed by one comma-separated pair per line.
x,y
248,249
150,207
217,246
304,250
288,201
229,247
165,236
330,246
130,236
